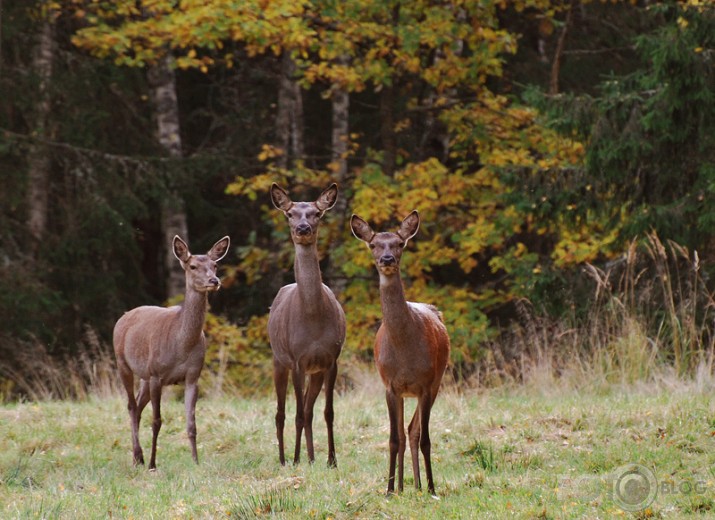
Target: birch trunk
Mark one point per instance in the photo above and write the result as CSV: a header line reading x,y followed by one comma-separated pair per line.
x,y
289,119
340,146
38,159
162,86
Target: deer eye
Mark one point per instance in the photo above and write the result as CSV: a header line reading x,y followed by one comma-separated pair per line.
x,y
371,246
289,214
401,244
192,267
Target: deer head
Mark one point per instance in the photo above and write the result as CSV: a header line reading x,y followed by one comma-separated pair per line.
x,y
304,217
201,269
386,247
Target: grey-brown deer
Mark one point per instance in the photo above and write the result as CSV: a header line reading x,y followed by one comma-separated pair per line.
x,y
411,349
306,326
164,346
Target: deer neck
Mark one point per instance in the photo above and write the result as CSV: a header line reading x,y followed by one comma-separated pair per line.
x,y
307,277
395,311
192,317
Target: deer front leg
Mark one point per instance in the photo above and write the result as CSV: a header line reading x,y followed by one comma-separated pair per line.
x,y
392,409
298,380
155,395
280,380
329,414
311,394
190,396
402,443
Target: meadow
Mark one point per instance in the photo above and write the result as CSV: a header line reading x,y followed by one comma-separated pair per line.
x,y
526,451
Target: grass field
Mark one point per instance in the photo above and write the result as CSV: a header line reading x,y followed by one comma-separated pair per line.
x,y
503,453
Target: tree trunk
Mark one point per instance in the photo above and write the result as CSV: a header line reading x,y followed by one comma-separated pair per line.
x,y
289,119
558,53
38,159
340,147
162,86
387,129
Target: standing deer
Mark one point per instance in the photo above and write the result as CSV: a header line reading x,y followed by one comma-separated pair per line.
x,y
306,326
411,349
164,346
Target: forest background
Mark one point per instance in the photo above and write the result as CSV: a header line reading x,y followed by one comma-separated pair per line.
x,y
561,155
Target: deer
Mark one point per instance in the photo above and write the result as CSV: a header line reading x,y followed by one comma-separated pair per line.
x,y
166,345
411,350
306,326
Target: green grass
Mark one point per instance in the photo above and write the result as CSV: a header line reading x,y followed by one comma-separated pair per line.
x,y
516,453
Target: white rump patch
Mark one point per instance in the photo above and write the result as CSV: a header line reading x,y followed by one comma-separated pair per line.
x,y
425,309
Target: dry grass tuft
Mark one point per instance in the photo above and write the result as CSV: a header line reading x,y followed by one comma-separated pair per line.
x,y
650,320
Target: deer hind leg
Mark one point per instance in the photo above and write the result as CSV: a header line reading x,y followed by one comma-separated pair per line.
x,y
127,378
298,382
142,400
190,395
280,379
329,414
425,408
155,395
311,394
413,432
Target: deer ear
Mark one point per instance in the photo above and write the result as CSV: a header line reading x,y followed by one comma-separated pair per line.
x,y
181,250
280,198
219,249
409,226
327,198
361,229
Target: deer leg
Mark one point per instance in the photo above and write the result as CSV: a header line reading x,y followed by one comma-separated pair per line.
x,y
128,381
311,394
402,443
298,381
329,414
155,395
142,400
425,407
190,396
392,407
413,431
142,397
280,379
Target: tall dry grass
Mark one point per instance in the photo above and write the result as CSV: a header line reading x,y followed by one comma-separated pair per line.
x,y
650,319
37,375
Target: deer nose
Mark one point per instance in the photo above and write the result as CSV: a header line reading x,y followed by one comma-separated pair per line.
x,y
303,229
215,281
387,260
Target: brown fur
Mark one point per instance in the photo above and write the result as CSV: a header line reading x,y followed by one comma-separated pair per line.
x,y
306,326
411,350
164,346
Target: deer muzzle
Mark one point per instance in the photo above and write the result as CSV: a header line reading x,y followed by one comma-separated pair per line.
x,y
387,260
303,230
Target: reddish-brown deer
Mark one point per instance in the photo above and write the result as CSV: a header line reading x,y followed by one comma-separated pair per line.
x,y
411,349
164,346
306,326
